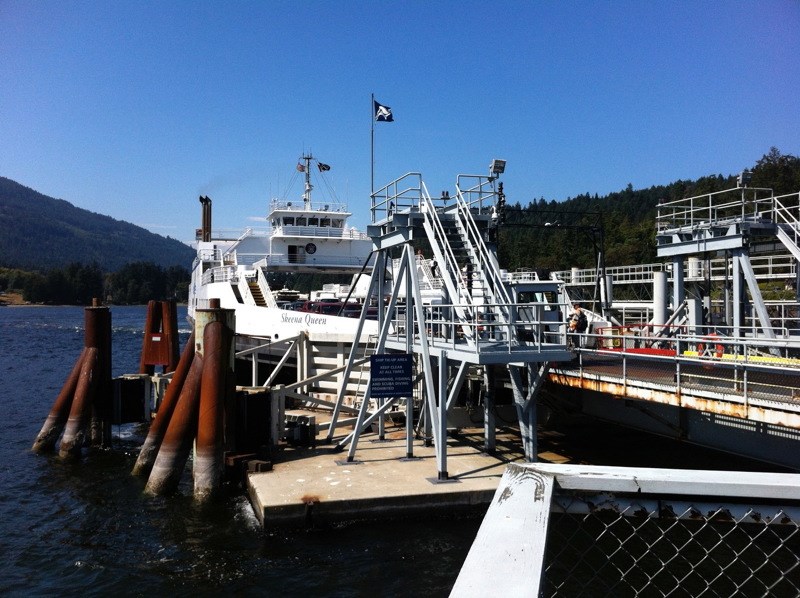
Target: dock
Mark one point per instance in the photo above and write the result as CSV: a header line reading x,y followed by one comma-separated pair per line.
x,y
316,485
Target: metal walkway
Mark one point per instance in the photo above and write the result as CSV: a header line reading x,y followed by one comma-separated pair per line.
x,y
472,315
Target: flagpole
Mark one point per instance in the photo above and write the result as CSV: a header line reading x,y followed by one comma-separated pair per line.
x,y
372,144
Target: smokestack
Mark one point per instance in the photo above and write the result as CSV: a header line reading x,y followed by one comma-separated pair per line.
x,y
205,225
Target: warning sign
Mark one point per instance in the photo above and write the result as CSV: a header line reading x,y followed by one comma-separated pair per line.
x,y
390,375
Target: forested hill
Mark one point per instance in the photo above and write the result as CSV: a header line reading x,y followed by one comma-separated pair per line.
x,y
38,232
550,235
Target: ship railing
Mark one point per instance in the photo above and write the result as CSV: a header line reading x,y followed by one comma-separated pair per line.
x,y
248,259
719,208
336,207
319,232
209,255
312,260
220,274
236,234
634,531
263,286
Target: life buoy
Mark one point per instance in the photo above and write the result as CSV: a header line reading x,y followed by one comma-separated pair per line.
x,y
311,248
711,347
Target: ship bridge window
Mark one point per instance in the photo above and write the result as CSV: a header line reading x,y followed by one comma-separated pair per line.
x,y
288,220
300,222
275,222
338,223
313,221
325,222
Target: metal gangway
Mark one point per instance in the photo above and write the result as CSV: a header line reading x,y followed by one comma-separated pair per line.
x,y
478,318
713,362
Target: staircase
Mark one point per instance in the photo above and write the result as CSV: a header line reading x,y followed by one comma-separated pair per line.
x,y
255,291
469,271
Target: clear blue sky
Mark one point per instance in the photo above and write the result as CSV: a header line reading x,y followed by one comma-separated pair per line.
x,y
133,109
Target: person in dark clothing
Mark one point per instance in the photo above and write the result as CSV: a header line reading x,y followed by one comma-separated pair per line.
x,y
577,325
578,321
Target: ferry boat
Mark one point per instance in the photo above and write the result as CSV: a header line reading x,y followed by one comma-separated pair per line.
x,y
303,237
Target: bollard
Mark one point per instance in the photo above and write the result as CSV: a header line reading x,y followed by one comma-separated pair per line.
x,y
208,463
158,427
57,418
174,450
75,430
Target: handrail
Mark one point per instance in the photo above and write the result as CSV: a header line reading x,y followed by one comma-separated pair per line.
x,y
475,239
451,275
768,266
708,210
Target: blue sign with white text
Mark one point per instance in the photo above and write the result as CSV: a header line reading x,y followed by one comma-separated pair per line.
x,y
391,375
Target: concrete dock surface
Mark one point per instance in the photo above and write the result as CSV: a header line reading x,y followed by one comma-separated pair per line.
x,y
317,485
310,486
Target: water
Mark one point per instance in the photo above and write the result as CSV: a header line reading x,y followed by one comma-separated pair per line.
x,y
86,528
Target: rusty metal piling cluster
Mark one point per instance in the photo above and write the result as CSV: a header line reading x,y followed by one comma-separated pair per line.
x,y
194,412
83,408
196,409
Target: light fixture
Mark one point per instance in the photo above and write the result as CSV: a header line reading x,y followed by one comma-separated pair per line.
x,y
744,178
497,167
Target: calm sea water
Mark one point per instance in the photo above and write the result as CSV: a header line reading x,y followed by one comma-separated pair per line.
x,y
86,528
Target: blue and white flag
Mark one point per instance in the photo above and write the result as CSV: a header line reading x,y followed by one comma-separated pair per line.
x,y
383,113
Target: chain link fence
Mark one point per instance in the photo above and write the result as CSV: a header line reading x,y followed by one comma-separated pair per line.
x,y
624,546
571,530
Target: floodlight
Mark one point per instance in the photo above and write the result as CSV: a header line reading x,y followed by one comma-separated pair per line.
x,y
497,167
744,178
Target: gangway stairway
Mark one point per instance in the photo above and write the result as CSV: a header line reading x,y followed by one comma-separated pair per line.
x,y
479,319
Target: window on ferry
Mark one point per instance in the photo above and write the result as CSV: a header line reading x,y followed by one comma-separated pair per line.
x,y
288,221
300,222
325,222
275,222
338,223
313,221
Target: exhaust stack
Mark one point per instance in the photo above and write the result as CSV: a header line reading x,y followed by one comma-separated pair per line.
x,y
204,232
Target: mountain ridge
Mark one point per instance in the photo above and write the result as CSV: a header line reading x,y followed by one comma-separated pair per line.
x,y
38,232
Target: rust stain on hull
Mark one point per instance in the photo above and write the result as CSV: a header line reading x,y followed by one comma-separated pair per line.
x,y
681,399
